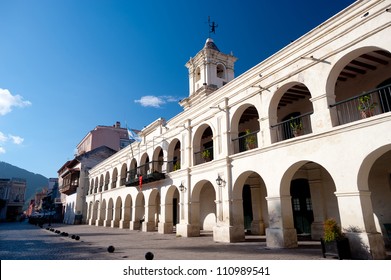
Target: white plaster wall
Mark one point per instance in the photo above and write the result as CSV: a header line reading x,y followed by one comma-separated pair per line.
x,y
207,208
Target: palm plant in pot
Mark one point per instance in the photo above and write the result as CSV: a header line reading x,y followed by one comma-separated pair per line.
x,y
296,126
334,243
366,106
205,155
250,139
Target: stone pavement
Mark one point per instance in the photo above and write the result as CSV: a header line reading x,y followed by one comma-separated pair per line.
x,y
19,241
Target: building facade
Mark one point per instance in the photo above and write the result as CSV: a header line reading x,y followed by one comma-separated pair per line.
x,y
12,193
73,183
114,137
300,137
98,144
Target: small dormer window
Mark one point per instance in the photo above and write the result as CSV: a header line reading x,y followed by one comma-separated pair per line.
x,y
220,69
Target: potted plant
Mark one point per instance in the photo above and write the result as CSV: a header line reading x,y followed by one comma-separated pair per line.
x,y
205,155
334,243
296,126
366,106
250,139
177,166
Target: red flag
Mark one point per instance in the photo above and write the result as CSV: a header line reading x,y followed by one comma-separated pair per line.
x,y
140,182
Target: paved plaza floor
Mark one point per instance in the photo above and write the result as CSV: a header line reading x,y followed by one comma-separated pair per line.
x,y
22,240
25,241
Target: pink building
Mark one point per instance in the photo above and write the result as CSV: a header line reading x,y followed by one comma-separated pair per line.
x,y
113,137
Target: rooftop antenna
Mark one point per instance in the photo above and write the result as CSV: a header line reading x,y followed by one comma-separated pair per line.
x,y
212,26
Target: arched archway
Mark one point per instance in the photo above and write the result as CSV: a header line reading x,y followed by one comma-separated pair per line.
x,y
124,171
127,212
220,71
158,160
375,176
114,178
107,181
203,144
101,213
152,214
312,200
290,111
109,213
96,185
101,182
170,211
91,189
203,206
174,155
245,128
361,83
117,215
249,204
138,212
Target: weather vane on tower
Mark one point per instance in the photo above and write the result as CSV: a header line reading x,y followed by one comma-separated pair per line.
x,y
212,26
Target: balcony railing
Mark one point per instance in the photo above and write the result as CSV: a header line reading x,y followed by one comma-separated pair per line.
x,y
173,165
294,127
150,172
203,156
69,188
246,142
365,105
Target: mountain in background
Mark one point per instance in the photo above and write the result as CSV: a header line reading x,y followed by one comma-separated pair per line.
x,y
34,182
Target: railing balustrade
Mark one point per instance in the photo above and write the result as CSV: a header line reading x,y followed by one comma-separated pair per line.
x,y
151,171
294,127
365,105
204,155
246,142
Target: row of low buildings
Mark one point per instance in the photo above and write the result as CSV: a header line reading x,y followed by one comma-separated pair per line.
x,y
302,136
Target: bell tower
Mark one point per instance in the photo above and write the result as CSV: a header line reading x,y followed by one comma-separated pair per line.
x,y
209,70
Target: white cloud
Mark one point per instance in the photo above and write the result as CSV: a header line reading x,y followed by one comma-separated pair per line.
x,y
2,150
3,138
156,101
16,139
7,101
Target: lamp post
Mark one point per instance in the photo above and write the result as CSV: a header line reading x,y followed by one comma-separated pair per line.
x,y
182,188
219,183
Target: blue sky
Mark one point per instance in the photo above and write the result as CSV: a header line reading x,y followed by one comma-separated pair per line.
x,y
68,66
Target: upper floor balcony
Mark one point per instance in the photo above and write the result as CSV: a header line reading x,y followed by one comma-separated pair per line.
x,y
364,105
70,182
147,173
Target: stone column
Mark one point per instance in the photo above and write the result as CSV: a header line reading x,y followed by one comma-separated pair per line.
x,y
109,217
135,224
124,223
149,224
323,117
257,225
99,220
281,232
166,223
317,199
356,214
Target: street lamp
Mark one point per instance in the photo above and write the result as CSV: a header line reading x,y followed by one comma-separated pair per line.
x,y
181,187
219,181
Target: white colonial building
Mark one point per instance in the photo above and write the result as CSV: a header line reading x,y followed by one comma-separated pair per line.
x,y
301,137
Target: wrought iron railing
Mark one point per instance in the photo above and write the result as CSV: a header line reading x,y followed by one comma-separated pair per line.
x,y
149,172
365,105
246,142
294,127
204,155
